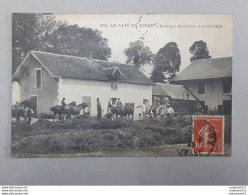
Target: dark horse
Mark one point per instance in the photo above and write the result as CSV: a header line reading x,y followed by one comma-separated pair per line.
x,y
127,110
20,110
58,110
68,110
73,109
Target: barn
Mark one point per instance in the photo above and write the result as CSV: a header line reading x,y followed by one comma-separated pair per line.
x,y
210,80
46,78
181,99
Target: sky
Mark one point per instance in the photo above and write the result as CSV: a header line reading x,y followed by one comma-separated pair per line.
x,y
158,29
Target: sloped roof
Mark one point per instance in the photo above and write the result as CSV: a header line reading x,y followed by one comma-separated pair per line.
x,y
170,90
81,68
211,68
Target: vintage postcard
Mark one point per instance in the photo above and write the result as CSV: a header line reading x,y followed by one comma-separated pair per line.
x,y
89,85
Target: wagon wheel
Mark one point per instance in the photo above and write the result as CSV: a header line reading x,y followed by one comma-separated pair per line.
x,y
161,110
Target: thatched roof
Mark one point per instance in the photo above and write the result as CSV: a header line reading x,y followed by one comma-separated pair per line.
x,y
173,91
81,68
212,68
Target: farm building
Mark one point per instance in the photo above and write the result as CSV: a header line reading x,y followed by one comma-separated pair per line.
x,y
181,99
210,80
46,78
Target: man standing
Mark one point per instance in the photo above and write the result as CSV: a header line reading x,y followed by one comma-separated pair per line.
x,y
169,110
29,113
99,108
119,103
110,105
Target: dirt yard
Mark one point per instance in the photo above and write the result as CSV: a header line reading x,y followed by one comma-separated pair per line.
x,y
88,136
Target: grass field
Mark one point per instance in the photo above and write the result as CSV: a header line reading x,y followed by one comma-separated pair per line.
x,y
88,136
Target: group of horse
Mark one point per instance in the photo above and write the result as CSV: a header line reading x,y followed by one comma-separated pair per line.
x,y
146,110
24,109
126,110
66,112
113,112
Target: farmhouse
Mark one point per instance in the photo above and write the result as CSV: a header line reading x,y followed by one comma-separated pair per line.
x,y
46,78
210,80
181,99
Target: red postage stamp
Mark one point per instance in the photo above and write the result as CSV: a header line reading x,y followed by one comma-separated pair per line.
x,y
208,136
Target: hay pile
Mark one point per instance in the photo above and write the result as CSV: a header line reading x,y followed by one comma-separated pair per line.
x,y
82,123
87,141
80,135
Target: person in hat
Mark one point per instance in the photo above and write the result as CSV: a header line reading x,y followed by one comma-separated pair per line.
x,y
99,108
63,102
29,113
169,110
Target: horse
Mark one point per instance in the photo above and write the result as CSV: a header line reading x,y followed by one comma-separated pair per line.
x,y
73,109
22,109
126,110
129,109
58,110
17,111
68,110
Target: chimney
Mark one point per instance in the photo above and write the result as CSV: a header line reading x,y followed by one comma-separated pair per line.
x,y
90,56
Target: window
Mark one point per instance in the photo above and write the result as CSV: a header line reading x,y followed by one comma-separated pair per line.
x,y
114,85
38,78
201,88
227,86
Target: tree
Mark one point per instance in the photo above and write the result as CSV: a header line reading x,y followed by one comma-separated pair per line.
x,y
28,33
41,32
168,59
157,76
138,54
199,51
80,41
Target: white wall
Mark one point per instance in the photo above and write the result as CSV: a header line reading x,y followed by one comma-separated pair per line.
x,y
73,90
16,97
46,94
213,96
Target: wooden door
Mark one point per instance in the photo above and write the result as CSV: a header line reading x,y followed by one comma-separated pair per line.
x,y
34,102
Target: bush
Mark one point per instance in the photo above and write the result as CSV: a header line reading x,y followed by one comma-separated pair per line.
x,y
41,124
21,126
82,123
47,115
110,124
89,134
